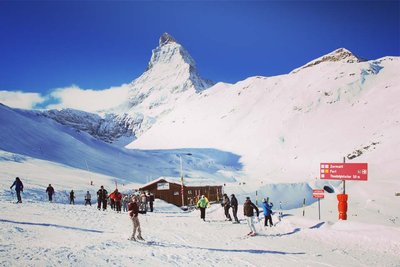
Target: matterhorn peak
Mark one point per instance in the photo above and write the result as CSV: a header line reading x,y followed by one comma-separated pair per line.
x,y
339,55
166,38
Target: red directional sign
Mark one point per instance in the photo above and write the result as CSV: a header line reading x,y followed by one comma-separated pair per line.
x,y
344,171
318,193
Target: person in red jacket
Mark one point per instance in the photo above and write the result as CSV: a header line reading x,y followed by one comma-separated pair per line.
x,y
117,200
134,214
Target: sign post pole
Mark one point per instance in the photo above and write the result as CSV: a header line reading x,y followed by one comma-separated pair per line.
x,y
318,193
319,210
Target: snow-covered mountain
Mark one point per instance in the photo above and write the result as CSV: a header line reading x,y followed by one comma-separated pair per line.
x,y
280,128
283,127
170,78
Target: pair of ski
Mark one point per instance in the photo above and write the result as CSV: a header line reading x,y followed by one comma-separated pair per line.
x,y
139,238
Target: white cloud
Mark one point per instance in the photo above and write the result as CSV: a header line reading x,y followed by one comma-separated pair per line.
x,y
87,99
18,99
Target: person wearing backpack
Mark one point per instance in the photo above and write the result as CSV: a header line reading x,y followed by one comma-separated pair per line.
x,y
267,209
234,204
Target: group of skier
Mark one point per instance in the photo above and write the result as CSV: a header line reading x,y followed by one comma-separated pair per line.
x,y
248,210
138,202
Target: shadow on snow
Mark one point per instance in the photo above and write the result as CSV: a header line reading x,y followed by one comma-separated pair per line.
x,y
53,225
255,251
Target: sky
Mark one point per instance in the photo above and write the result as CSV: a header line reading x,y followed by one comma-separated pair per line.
x,y
47,46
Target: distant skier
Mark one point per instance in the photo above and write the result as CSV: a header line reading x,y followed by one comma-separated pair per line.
x,y
248,210
143,203
19,187
88,198
202,204
134,214
125,201
72,197
234,204
117,200
50,192
227,205
267,209
102,195
151,200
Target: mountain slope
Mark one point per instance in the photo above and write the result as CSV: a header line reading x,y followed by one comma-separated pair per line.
x,y
284,126
28,133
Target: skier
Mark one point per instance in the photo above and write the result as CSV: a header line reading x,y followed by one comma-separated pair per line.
x,y
202,204
134,214
151,200
117,200
143,203
267,212
88,199
50,192
248,210
102,198
234,204
227,206
72,197
19,187
125,201
112,200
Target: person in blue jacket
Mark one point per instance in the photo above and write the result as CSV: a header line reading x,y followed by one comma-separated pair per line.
x,y
267,208
19,187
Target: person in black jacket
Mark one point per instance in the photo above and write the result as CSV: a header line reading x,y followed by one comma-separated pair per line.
x,y
72,197
102,196
234,204
50,192
248,210
19,187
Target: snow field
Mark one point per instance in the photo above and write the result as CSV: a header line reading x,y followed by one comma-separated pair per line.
x,y
54,234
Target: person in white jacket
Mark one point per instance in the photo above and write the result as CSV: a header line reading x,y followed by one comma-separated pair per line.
x,y
88,199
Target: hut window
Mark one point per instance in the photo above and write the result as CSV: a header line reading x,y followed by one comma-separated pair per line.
x,y
189,192
176,193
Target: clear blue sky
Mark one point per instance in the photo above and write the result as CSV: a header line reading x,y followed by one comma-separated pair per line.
x,y
99,44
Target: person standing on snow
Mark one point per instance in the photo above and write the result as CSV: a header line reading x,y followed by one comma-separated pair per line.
x,y
125,201
88,198
117,200
227,205
134,214
150,198
102,195
267,209
19,187
50,192
248,210
72,197
202,204
234,204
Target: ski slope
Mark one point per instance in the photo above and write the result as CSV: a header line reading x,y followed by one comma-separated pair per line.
x,y
59,234
39,233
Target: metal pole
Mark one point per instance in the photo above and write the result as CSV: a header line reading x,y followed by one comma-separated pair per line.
x,y
319,210
344,181
183,198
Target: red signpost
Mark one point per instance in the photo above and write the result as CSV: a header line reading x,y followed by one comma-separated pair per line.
x,y
344,171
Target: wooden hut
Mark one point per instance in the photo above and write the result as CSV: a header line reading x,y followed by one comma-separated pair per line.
x,y
171,190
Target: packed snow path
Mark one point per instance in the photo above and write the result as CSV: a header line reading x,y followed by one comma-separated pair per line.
x,y
53,234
